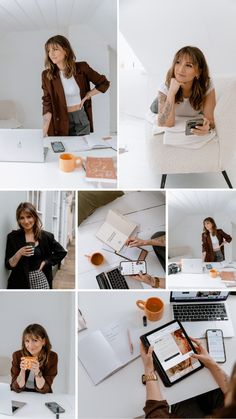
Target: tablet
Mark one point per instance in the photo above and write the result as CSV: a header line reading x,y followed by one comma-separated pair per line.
x,y
172,352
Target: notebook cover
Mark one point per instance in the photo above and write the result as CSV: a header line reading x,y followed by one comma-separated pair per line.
x,y
100,168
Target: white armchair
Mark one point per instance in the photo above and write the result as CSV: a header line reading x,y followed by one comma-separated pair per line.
x,y
8,115
215,156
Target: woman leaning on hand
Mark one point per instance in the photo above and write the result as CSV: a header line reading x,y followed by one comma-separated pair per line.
x,y
67,106
34,366
31,251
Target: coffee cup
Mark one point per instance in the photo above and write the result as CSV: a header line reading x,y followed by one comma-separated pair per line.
x,y
68,162
96,258
32,245
29,360
213,273
153,308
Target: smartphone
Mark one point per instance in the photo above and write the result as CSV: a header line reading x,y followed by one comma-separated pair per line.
x,y
133,267
215,344
57,147
54,407
208,266
191,123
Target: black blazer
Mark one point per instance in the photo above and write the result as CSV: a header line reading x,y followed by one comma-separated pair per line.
x,y
52,254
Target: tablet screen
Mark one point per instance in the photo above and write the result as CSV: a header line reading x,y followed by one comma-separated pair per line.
x,y
173,351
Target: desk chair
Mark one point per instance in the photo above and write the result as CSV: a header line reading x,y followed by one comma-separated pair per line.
x,y
215,156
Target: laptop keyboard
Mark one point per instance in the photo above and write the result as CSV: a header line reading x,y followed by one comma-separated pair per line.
x,y
199,312
112,279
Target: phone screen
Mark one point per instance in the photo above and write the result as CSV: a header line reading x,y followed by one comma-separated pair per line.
x,y
215,343
57,146
55,407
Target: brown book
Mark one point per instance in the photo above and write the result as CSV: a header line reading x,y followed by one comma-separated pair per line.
x,y
100,169
227,276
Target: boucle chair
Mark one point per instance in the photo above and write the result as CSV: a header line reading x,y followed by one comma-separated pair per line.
x,y
215,156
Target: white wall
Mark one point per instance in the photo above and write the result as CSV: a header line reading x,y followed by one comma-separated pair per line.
x,y
22,61
9,201
19,309
160,27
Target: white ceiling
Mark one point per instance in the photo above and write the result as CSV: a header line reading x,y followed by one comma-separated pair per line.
x,y
200,201
23,15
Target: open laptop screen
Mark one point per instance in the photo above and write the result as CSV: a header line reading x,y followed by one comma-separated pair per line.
x,y
194,296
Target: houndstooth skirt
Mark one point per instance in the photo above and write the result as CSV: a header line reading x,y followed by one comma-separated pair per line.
x,y
38,280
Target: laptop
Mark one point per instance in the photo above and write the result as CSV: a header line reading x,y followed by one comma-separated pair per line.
x,y
191,266
7,405
201,310
112,279
21,145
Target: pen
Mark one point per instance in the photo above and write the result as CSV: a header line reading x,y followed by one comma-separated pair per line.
x,y
131,347
57,414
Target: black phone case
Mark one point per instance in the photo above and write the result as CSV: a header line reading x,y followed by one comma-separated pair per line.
x,y
61,145
54,408
157,364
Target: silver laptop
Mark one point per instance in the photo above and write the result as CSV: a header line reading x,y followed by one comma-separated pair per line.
x,y
21,145
202,310
7,405
191,266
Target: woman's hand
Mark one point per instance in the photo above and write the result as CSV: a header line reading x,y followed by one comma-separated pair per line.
x,y
134,242
42,264
35,367
23,364
25,251
148,279
147,358
174,86
202,130
202,354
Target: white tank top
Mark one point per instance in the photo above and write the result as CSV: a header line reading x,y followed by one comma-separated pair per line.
x,y
71,90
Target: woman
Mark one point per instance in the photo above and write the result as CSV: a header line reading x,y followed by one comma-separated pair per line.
x,y
67,107
187,91
34,367
31,252
222,401
213,241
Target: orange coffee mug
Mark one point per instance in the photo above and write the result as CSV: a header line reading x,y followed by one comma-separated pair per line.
x,y
96,258
29,360
153,307
213,273
68,162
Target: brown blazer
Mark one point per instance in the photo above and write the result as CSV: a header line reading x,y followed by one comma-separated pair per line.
x,y
48,370
207,244
54,100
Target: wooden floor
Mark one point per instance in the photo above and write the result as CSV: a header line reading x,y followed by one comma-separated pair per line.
x,y
65,276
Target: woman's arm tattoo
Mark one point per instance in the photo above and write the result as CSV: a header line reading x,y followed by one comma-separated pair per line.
x,y
163,116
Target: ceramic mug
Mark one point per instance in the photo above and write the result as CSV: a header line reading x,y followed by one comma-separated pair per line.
x,y
96,258
153,308
213,273
68,162
29,360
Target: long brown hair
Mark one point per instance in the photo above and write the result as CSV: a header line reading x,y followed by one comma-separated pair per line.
x,y
29,208
70,68
229,411
214,226
200,85
37,331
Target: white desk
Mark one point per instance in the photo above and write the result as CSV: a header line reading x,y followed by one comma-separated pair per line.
x,y
15,175
123,395
199,281
35,405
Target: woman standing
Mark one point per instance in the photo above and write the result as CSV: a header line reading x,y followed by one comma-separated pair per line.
x,y
187,91
31,252
213,241
67,107
34,367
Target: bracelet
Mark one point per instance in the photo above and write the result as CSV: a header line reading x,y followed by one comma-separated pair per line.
x,y
156,283
149,377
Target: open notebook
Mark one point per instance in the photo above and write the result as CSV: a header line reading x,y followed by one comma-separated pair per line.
x,y
105,351
115,230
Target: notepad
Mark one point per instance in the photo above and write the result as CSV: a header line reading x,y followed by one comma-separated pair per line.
x,y
105,351
100,169
115,230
